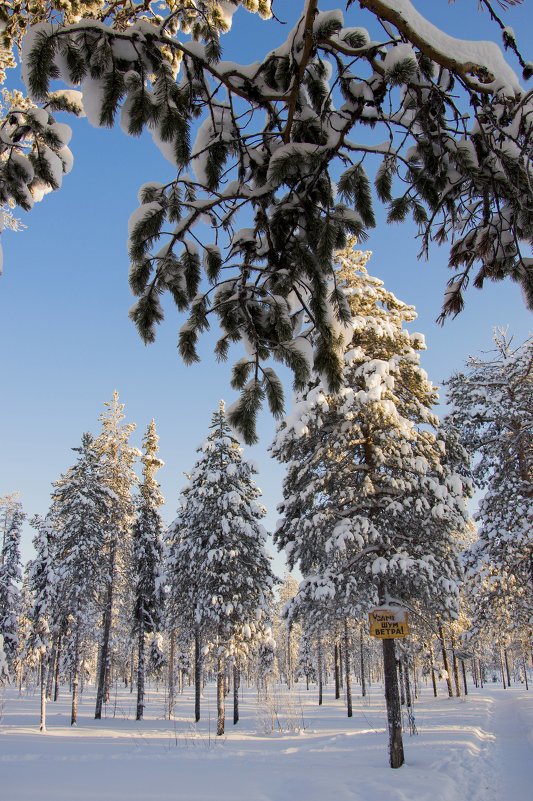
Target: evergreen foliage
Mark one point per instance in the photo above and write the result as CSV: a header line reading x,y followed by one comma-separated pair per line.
x,y
147,535
492,409
82,506
273,141
219,572
373,495
11,519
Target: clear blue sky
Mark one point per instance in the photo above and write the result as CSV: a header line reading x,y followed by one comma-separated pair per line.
x,y
67,343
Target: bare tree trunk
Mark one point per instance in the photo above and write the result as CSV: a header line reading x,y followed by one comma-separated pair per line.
x,y
408,699
394,711
455,668
140,672
220,696
362,658
51,669
197,673
445,661
42,722
58,665
288,677
525,673
464,677
401,682
507,669
105,656
320,668
503,670
337,671
75,676
236,683
348,680
171,674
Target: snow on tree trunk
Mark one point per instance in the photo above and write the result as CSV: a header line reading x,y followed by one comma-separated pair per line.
x,y
172,674
75,675
445,662
43,662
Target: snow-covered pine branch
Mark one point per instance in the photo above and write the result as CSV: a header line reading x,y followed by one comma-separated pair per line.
x,y
451,127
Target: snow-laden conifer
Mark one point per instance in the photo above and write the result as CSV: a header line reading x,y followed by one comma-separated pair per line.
x,y
117,457
278,162
43,583
372,496
492,408
147,534
220,573
11,519
83,506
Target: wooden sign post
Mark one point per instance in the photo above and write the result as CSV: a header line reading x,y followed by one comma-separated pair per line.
x,y
388,624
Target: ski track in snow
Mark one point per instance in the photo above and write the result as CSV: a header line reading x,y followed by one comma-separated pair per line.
x,y
473,749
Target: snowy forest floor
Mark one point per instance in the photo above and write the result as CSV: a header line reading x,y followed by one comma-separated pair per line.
x,y
477,748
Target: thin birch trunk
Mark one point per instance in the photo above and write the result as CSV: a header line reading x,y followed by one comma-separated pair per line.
x,y
42,722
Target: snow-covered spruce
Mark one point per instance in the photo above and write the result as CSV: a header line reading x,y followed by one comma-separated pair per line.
x,y
373,497
449,118
147,535
11,519
492,408
82,506
218,569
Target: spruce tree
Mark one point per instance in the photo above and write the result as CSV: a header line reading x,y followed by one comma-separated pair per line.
x,y
43,585
492,409
147,534
117,457
83,505
11,519
220,572
372,499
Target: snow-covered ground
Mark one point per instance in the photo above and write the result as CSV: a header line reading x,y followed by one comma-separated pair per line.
x,y
474,749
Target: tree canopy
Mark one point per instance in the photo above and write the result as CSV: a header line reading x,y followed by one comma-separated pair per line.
x,y
274,161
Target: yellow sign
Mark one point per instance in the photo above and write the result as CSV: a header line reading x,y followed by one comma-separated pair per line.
x,y
387,624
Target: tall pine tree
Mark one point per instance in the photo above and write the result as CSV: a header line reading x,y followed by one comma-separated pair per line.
x,y
371,501
147,536
117,457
